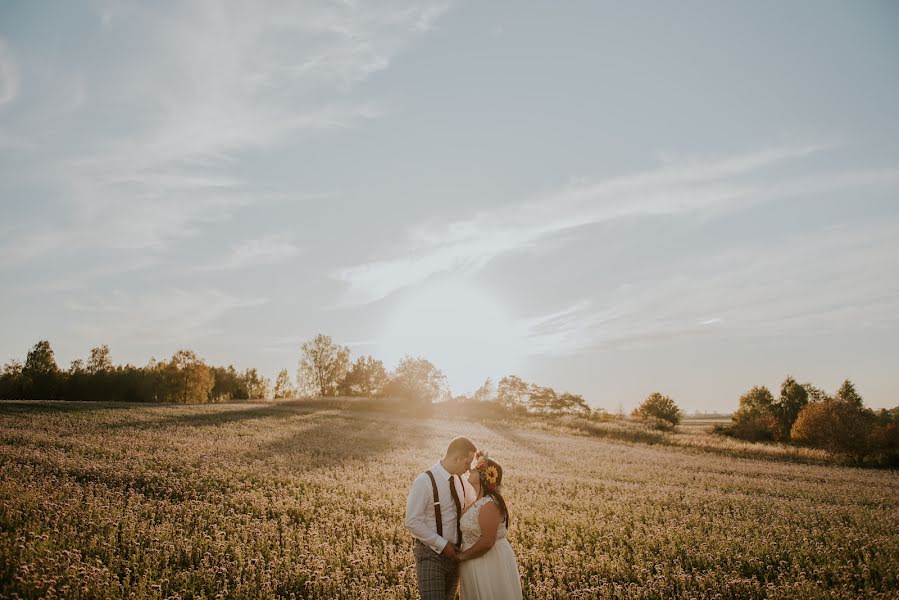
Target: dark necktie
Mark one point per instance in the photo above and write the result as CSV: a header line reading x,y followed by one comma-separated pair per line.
x,y
455,496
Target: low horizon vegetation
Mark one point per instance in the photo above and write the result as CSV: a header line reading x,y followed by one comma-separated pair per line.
x,y
804,417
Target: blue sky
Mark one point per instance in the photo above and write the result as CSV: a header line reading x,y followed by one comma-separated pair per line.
x,y
693,198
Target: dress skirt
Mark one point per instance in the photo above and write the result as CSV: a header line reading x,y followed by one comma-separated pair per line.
x,y
491,576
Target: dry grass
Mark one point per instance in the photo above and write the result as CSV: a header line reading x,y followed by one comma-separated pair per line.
x,y
305,499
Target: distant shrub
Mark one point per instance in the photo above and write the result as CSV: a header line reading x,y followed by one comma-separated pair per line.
x,y
755,419
843,425
761,427
658,411
835,426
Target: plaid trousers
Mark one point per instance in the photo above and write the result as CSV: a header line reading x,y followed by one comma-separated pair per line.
x,y
438,576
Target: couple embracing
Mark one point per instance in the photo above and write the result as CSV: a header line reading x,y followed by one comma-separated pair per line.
x,y
459,521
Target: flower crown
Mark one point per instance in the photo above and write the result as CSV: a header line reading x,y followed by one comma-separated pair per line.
x,y
487,471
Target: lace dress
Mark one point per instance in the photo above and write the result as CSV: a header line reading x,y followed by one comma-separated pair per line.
x,y
494,574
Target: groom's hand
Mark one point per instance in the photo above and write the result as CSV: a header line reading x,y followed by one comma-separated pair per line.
x,y
449,551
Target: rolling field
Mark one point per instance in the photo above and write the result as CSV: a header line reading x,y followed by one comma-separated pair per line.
x,y
306,499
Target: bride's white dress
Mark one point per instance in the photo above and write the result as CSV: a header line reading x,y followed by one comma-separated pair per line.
x,y
493,575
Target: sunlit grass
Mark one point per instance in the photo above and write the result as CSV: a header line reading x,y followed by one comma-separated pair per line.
x,y
306,499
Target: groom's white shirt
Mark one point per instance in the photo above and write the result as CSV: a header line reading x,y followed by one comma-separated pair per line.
x,y
420,519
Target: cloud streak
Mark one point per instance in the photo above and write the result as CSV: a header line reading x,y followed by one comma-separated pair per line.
x,y
837,279
157,317
675,188
267,250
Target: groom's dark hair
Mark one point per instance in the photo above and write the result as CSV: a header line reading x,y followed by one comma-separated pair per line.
x,y
460,445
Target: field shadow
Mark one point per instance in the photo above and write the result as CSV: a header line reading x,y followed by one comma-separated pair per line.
x,y
515,437
339,438
20,407
215,415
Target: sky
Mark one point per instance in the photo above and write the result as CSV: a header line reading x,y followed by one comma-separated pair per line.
x,y
610,199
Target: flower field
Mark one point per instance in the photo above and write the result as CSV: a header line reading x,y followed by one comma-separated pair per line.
x,y
305,500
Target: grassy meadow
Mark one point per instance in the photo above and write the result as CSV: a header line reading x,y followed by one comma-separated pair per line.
x,y
305,499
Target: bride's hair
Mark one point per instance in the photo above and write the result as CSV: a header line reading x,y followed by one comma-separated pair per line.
x,y
493,491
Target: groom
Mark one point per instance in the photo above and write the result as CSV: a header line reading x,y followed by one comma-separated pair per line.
x,y
433,508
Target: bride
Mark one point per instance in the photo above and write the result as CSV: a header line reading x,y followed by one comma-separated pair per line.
x,y
488,570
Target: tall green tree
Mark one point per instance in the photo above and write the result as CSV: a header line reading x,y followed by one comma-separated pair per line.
x,y
792,398
418,380
41,375
754,419
99,361
185,379
848,394
366,377
322,367
658,410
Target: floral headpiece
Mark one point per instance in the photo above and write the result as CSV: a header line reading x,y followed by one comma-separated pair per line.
x,y
487,471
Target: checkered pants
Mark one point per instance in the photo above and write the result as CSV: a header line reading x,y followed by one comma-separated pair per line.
x,y
438,576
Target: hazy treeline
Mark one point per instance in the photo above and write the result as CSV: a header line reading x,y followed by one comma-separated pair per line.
x,y
184,378
806,415
324,369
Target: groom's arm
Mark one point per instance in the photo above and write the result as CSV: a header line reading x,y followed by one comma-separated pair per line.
x,y
419,507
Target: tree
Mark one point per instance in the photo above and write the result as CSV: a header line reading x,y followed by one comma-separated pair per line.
x,y
418,380
11,380
367,377
257,386
754,419
658,410
323,366
573,403
41,360
283,386
847,394
542,399
40,374
185,379
512,391
836,425
228,384
485,393
792,398
815,394
99,361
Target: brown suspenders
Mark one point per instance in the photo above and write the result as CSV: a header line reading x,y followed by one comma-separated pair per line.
x,y
436,504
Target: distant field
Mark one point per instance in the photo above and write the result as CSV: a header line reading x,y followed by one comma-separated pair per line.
x,y
305,500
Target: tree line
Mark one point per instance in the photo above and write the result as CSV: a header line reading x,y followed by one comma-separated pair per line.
x,y
185,378
807,415
325,369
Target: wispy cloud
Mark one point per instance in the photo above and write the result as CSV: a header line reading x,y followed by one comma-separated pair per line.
x,y
134,149
267,250
677,187
156,317
841,278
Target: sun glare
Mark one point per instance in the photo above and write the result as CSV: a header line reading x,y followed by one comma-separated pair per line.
x,y
464,331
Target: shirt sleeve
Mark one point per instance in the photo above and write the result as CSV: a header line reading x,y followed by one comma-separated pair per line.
x,y
419,505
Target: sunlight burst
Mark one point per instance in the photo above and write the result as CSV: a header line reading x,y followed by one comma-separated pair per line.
x,y
464,331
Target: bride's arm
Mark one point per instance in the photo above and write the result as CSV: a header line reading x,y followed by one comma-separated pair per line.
x,y
488,519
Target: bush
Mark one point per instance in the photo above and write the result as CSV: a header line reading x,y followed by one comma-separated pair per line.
x,y
761,427
837,426
754,420
658,411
